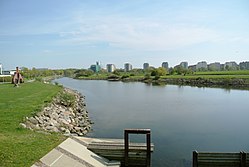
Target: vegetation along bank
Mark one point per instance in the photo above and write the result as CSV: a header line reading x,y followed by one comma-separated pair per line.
x,y
228,79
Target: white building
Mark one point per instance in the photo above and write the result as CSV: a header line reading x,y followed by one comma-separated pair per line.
x,y
231,65
201,65
1,69
214,66
110,67
127,67
184,65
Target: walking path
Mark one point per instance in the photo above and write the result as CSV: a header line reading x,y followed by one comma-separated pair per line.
x,y
73,152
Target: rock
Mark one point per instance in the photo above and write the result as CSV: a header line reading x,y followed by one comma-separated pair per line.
x,y
67,132
64,122
57,117
78,129
23,125
62,129
33,120
80,134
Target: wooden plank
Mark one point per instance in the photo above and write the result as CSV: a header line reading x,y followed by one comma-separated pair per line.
x,y
214,159
118,146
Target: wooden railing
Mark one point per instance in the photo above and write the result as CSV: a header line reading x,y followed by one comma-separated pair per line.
x,y
211,159
148,144
124,151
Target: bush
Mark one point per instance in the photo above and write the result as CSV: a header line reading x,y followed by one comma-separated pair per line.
x,y
125,76
67,99
5,79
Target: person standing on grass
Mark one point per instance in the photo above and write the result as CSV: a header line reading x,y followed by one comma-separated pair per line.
x,y
17,78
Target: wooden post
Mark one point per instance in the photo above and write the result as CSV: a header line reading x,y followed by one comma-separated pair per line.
x,y
148,144
148,149
195,159
242,159
126,135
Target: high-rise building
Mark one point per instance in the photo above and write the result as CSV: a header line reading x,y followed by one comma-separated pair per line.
x,y
165,65
244,65
201,65
232,65
96,67
146,66
214,66
184,65
110,67
127,67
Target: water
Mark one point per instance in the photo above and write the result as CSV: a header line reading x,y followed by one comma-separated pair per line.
x,y
182,119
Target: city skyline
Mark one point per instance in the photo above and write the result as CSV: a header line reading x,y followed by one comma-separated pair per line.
x,y
142,64
165,64
60,34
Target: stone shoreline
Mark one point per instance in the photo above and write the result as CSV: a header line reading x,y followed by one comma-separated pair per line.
x,y
62,116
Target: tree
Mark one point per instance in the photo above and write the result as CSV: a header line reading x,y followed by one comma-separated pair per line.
x,y
159,72
83,73
180,70
171,71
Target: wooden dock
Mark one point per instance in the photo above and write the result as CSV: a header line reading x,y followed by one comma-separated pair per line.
x,y
215,159
122,150
100,152
114,149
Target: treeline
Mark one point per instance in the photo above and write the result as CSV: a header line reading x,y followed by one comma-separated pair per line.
x,y
41,73
122,74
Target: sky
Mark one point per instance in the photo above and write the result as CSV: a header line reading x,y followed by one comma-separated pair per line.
x,y
60,34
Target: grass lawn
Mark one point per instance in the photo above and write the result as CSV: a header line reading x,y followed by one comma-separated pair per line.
x,y
223,75
19,146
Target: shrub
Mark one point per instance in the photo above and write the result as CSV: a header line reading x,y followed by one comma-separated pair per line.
x,y
67,99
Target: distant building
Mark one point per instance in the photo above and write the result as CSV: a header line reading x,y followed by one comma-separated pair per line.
x,y
96,68
6,73
244,65
201,65
1,69
127,67
146,66
222,67
165,65
42,69
192,67
214,66
232,65
184,65
110,67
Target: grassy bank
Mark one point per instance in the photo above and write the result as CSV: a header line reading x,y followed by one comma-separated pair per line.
x,y
19,146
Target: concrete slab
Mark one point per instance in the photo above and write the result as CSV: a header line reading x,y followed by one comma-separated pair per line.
x,y
67,161
82,152
51,157
73,152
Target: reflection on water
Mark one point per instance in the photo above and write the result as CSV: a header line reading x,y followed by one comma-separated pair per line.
x,y
181,118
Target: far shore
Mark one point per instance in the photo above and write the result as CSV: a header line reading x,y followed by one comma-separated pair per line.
x,y
235,82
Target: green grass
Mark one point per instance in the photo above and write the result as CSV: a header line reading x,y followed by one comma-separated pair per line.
x,y
207,76
241,74
19,146
238,72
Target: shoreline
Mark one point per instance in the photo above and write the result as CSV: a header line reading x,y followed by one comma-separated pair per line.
x,y
227,83
66,114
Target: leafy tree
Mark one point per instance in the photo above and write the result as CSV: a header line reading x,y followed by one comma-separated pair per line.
x,y
171,71
159,72
180,70
83,73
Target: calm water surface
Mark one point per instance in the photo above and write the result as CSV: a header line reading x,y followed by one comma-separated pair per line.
x,y
182,119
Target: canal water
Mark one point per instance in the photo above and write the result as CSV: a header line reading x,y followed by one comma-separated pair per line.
x,y
181,118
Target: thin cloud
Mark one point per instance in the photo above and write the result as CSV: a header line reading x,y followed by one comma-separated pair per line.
x,y
140,34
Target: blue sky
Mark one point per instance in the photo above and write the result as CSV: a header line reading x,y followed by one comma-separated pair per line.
x,y
77,33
